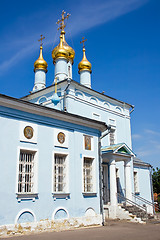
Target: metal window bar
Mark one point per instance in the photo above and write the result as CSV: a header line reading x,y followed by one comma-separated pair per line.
x,y
25,176
87,175
135,182
59,173
112,137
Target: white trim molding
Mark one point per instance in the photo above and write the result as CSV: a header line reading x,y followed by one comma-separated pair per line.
x,y
57,209
25,210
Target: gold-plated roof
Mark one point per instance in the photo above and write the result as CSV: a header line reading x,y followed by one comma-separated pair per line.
x,y
70,52
40,63
60,51
84,64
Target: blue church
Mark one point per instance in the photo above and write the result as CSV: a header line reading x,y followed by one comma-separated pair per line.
x,y
66,152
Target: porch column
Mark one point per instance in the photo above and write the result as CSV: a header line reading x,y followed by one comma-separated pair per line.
x,y
128,180
113,189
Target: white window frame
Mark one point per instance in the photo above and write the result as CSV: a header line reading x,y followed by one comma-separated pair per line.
x,y
93,192
65,193
28,195
136,188
112,124
112,131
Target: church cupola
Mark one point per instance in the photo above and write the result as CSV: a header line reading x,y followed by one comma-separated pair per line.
x,y
40,69
60,52
63,55
85,68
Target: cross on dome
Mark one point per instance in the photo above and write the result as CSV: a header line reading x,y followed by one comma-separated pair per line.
x,y
83,41
40,40
61,21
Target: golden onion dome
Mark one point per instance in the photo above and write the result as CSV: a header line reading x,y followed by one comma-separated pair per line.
x,y
84,64
68,49
40,63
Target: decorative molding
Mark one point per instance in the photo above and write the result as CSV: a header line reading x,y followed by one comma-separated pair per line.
x,y
24,126
33,108
57,195
25,210
26,196
89,194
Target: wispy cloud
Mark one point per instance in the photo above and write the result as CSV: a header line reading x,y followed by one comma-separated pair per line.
x,y
136,136
15,58
149,144
145,153
152,132
99,12
85,16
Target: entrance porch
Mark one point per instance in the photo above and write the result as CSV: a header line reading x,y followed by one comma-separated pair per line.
x,y
117,175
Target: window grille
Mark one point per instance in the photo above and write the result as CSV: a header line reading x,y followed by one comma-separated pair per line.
x,y
112,137
135,182
87,174
59,173
25,175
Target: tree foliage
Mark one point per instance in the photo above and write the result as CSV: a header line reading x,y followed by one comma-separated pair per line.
x,y
156,180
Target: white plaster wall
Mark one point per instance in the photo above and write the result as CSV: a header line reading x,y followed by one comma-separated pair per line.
x,y
85,78
61,69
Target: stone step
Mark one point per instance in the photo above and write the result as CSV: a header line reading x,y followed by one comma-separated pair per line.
x,y
139,213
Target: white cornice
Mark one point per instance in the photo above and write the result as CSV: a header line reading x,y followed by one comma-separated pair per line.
x,y
79,86
28,107
98,106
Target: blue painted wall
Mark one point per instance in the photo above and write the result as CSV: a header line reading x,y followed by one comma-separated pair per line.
x,y
80,102
44,206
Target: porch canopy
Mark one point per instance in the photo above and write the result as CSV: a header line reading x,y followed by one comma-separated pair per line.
x,y
120,152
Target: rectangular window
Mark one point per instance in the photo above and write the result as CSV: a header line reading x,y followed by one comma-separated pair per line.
x,y
26,172
136,190
60,173
88,174
112,137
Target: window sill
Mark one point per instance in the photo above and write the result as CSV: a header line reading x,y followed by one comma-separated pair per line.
x,y
89,194
61,195
26,196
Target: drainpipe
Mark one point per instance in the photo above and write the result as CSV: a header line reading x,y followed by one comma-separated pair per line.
x,y
151,183
65,91
132,109
100,171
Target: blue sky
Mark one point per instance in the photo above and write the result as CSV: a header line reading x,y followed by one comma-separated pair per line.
x,y
123,46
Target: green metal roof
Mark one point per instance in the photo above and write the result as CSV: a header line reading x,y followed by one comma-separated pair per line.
x,y
118,148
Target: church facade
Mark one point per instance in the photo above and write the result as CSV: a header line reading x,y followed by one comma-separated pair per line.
x,y
70,153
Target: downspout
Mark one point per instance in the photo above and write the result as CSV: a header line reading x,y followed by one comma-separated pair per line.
x,y
151,183
65,91
132,109
100,171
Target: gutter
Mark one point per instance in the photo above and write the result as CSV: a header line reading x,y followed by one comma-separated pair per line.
x,y
151,183
65,93
100,172
132,109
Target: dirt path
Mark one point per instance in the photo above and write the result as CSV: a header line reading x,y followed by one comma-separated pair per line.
x,y
113,230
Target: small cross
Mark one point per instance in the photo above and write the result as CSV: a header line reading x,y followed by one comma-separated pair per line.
x,y
61,21
40,40
83,41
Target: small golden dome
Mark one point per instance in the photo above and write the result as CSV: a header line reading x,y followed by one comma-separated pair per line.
x,y
84,64
70,52
40,63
